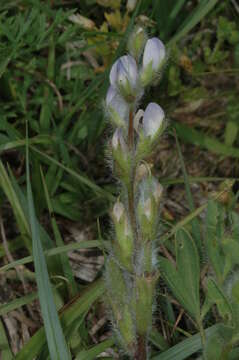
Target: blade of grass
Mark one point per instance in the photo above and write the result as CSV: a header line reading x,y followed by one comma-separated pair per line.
x,y
59,241
196,137
187,347
69,314
55,251
5,350
55,338
181,224
15,202
79,177
193,19
92,353
19,302
195,223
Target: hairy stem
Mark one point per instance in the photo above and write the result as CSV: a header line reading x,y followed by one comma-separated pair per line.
x,y
140,353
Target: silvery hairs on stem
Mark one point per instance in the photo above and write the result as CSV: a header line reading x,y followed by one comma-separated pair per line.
x,y
130,273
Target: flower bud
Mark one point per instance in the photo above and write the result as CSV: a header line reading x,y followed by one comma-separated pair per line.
x,y
153,59
124,77
150,193
117,107
153,119
124,242
136,42
121,156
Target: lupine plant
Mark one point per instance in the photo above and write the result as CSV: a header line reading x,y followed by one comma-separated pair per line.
x,y
131,272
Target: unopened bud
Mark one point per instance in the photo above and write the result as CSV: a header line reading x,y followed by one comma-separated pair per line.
x,y
153,59
123,245
136,42
124,77
150,192
121,156
154,53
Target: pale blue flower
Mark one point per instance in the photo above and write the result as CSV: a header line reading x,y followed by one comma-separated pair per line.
x,y
154,53
153,119
124,74
117,107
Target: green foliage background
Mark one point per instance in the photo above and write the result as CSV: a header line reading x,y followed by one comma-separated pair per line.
x,y
55,58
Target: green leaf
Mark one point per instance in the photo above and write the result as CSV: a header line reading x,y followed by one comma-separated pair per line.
x,y
187,347
188,267
213,240
92,353
67,271
184,281
192,136
193,19
55,338
70,314
216,296
56,251
196,232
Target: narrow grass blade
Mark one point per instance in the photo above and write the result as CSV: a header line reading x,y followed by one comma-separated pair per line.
x,y
187,347
196,137
67,271
92,353
195,223
70,313
79,177
5,350
55,338
8,188
55,251
193,19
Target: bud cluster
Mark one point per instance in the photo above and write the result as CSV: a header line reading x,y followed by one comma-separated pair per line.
x,y
130,271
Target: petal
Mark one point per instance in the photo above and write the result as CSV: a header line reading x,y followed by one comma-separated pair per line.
x,y
119,105
154,52
153,118
125,68
111,93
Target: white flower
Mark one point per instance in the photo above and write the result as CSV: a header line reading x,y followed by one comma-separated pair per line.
x,y
118,140
124,74
154,53
153,119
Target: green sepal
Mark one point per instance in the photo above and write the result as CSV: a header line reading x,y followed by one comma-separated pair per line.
x,y
118,298
115,119
124,242
123,165
144,297
147,75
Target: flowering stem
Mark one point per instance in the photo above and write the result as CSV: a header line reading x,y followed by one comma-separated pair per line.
x,y
140,353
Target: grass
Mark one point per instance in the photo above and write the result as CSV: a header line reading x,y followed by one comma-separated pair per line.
x,y
53,77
